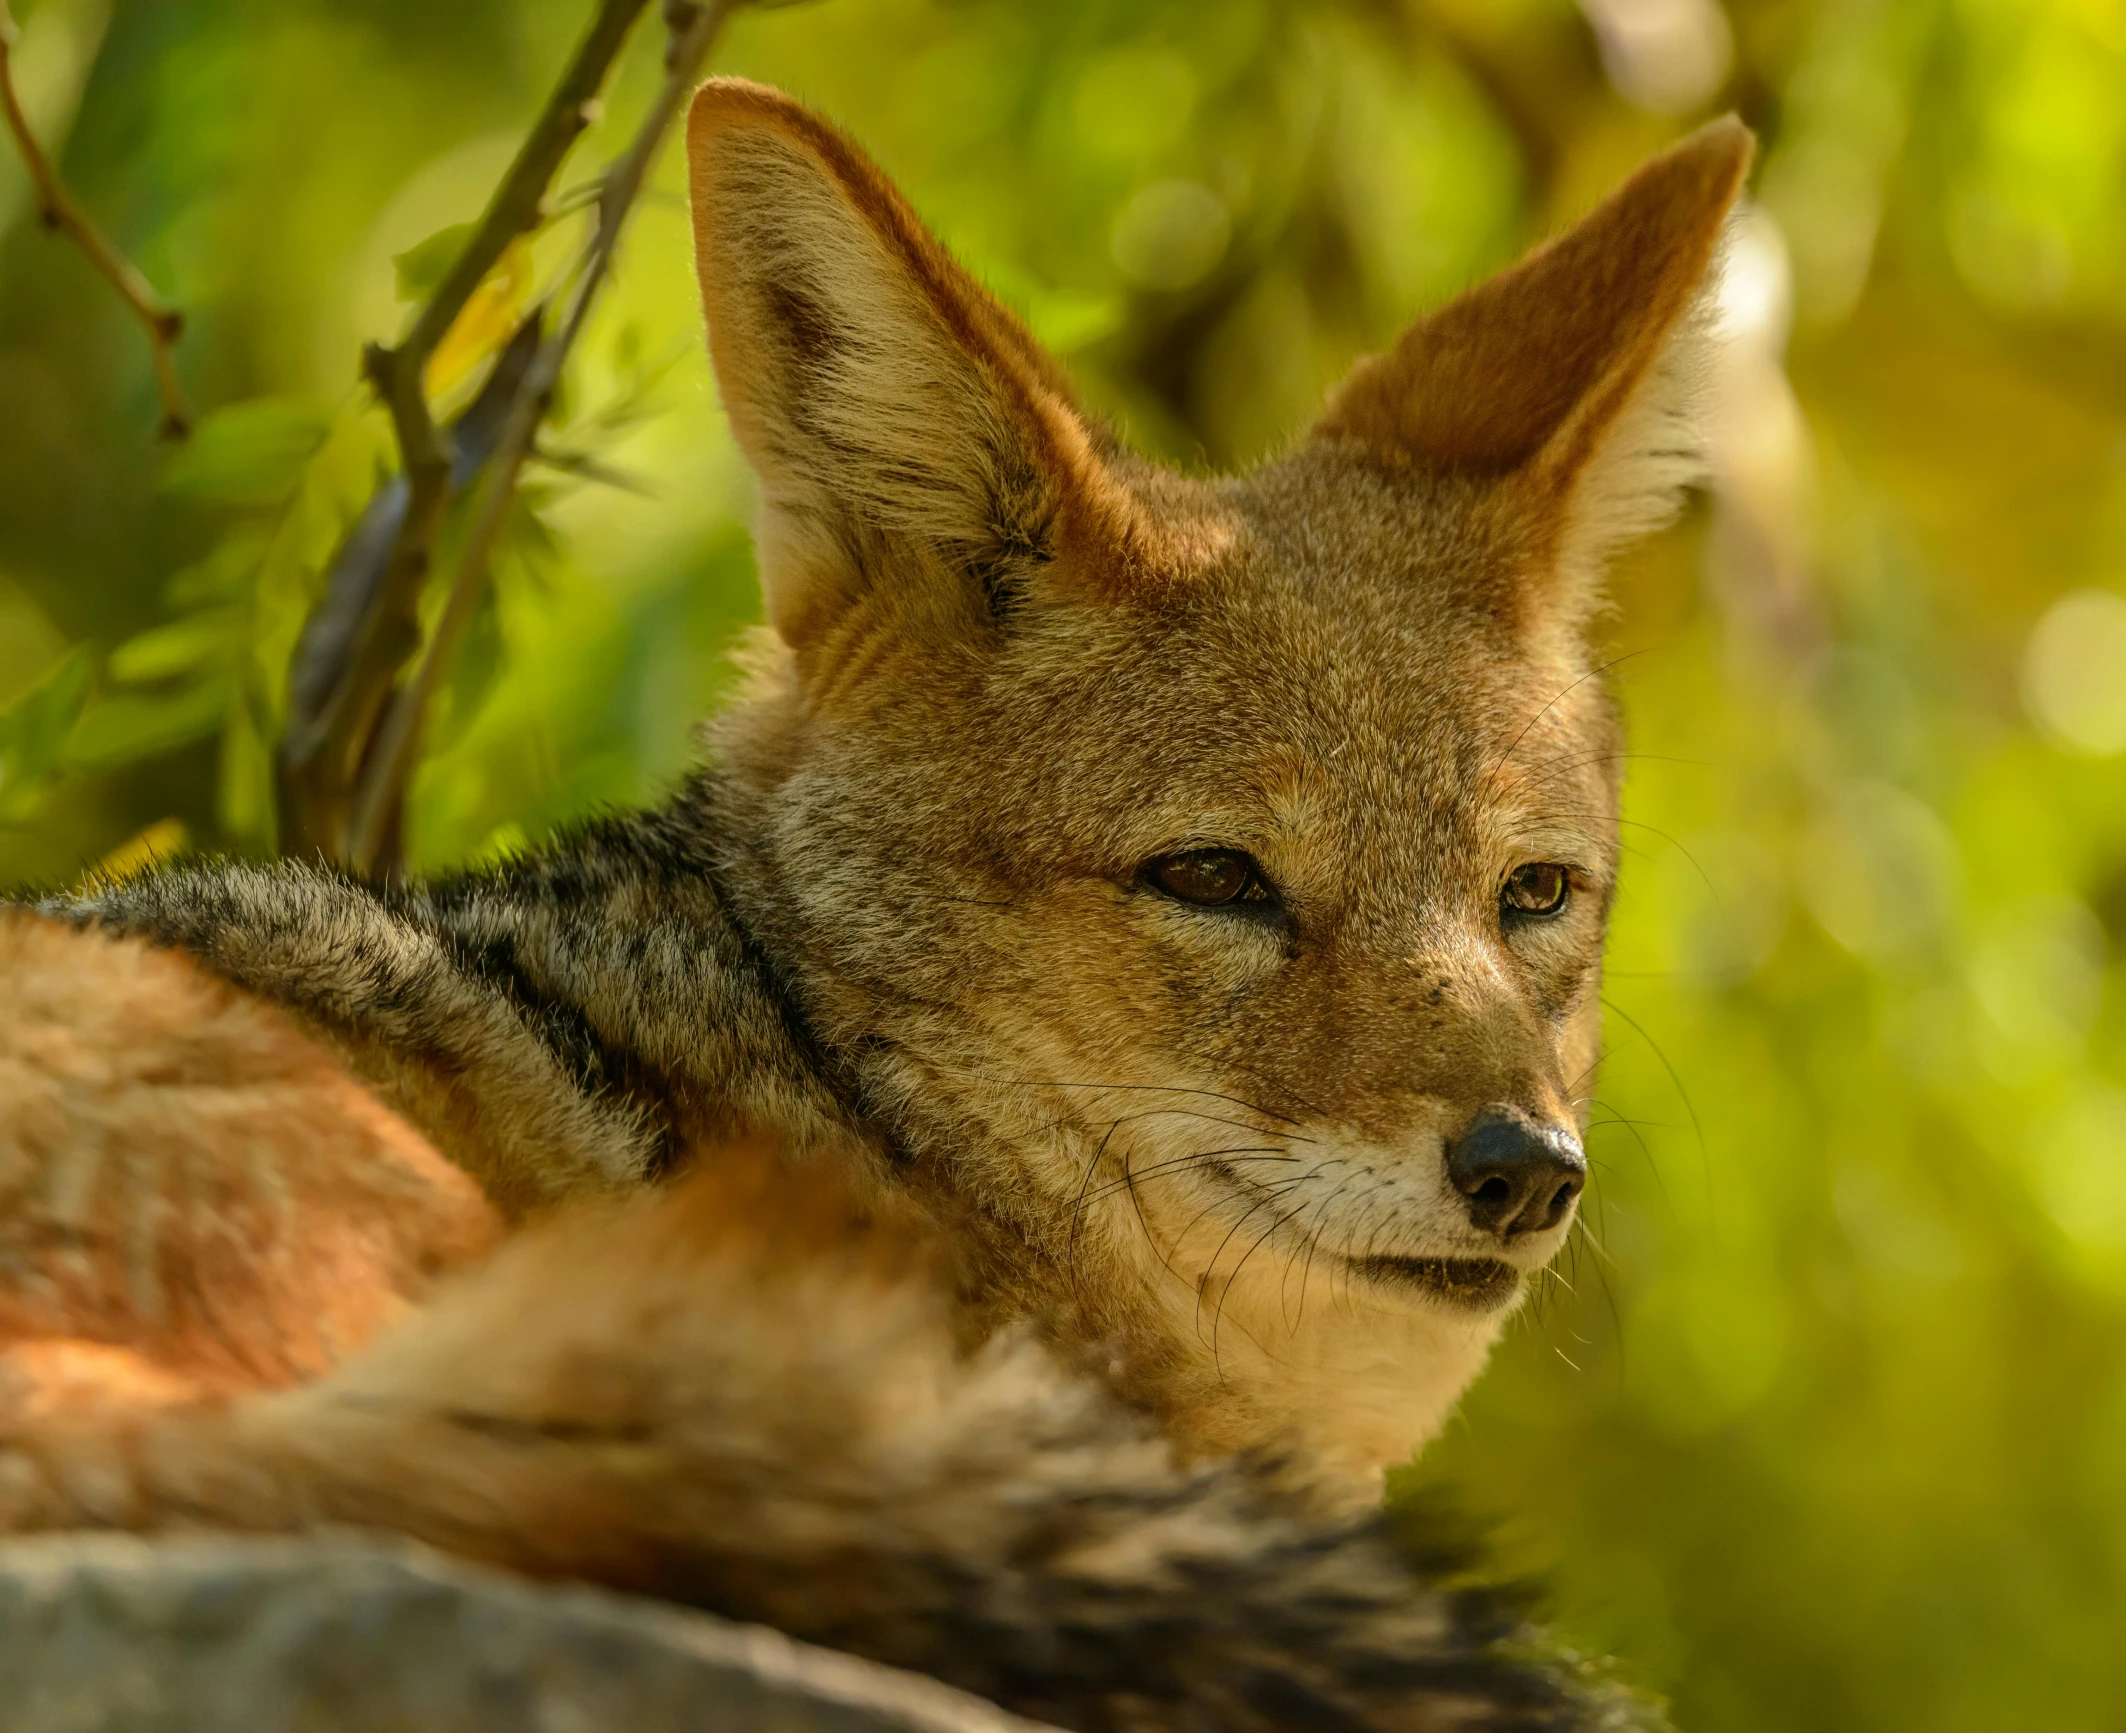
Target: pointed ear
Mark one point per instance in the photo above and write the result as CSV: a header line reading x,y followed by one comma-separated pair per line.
x,y
1573,372
916,449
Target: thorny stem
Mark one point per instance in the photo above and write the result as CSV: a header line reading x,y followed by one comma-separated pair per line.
x,y
323,753
63,214
389,765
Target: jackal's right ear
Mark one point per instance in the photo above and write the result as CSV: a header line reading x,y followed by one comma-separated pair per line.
x,y
909,435
1570,377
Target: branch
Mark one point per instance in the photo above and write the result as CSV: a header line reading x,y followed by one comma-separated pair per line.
x,y
323,751
693,27
325,649
63,214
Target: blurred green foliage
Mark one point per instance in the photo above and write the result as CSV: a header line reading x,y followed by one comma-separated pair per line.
x,y
1824,1421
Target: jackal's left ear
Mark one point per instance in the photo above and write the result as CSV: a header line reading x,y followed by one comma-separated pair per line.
x,y
1572,375
918,453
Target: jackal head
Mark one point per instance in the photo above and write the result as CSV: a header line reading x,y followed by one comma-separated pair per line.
x,y
1204,879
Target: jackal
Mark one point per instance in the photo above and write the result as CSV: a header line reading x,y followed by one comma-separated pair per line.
x,y
1153,923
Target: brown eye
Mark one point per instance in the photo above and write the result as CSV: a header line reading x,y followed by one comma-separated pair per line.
x,y
1211,878
1539,888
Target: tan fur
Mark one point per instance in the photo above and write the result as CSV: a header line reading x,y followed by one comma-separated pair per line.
x,y
194,1196
777,1304
794,224
1364,663
1046,1235
900,923
1573,371
751,1393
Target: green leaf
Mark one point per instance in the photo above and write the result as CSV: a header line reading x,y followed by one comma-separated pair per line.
x,y
245,797
213,635
422,267
33,734
131,726
528,547
471,679
251,453
224,572
584,467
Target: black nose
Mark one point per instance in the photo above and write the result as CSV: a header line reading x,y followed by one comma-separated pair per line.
x,y
1519,1177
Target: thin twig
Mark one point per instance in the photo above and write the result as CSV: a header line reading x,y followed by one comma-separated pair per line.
x,y
323,753
63,214
389,765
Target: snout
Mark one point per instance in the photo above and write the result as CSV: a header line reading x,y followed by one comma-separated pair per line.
x,y
1517,1176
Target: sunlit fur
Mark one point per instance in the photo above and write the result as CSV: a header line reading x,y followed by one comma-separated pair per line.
x,y
1013,663
750,1393
898,913
1053,1250
195,1198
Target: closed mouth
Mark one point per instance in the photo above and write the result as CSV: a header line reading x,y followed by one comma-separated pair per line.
x,y
1475,1284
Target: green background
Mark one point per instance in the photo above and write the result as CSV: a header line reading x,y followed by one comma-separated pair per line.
x,y
1823,1423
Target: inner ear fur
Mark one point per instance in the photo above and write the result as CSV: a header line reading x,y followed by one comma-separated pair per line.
x,y
1573,372
906,430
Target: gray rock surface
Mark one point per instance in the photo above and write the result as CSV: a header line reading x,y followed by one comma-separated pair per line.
x,y
109,1634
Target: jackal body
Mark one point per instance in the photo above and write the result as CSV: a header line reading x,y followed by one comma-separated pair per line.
x,y
920,901
1167,888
